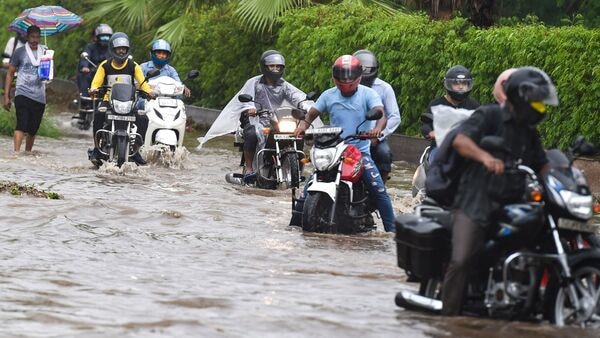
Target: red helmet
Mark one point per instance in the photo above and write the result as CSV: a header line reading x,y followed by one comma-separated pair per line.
x,y
347,72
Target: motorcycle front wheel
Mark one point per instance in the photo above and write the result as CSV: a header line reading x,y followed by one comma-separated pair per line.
x,y
561,311
290,168
122,148
316,212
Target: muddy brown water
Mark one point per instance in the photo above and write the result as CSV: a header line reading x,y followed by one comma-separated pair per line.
x,y
176,251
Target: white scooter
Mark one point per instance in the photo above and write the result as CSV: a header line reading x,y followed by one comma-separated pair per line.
x,y
166,114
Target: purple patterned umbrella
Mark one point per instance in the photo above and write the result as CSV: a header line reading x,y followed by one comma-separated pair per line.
x,y
50,19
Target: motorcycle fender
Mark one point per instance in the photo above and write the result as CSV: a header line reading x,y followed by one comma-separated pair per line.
x,y
579,256
326,187
166,136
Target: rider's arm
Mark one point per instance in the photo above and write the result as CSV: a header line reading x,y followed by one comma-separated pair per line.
x,y
173,73
139,77
392,111
10,74
98,79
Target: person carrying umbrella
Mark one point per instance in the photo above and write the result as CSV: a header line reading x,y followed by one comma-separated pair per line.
x,y
30,94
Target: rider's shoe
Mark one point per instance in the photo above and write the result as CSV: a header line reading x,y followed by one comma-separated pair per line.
x,y
96,157
138,159
250,178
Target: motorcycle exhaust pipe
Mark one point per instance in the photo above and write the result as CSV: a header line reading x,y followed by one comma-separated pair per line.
x,y
412,301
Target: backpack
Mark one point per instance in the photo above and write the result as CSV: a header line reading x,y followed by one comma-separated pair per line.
x,y
444,171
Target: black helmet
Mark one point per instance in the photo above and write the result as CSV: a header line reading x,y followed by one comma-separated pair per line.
x,y
370,66
458,82
271,58
529,90
102,33
119,39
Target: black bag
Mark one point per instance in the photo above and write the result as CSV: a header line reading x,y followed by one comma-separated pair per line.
x,y
444,172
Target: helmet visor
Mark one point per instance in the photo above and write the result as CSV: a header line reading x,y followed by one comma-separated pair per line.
x,y
274,59
458,85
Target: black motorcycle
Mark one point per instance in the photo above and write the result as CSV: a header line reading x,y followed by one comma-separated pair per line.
x,y
119,139
534,263
278,157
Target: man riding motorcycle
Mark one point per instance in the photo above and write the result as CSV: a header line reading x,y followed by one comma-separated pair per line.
x,y
117,69
479,194
97,52
347,104
160,55
458,83
380,149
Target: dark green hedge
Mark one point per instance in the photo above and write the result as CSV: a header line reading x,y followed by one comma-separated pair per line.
x,y
415,53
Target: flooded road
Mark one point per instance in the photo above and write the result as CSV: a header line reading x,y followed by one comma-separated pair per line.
x,y
163,251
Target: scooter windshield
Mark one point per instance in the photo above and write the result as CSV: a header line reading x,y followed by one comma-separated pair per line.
x,y
122,92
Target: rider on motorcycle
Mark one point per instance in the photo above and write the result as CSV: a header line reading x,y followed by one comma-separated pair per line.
x,y
458,83
528,90
498,90
380,149
269,90
347,103
98,52
117,69
160,55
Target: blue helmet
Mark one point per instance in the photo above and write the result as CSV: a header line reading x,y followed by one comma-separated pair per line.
x,y
160,45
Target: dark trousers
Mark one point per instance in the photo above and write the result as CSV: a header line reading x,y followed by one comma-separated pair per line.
x,y
467,242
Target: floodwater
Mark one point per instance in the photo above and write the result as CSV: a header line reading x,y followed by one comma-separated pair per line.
x,y
175,251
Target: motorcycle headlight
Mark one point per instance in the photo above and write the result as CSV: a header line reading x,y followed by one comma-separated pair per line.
x,y
322,159
287,126
579,205
120,107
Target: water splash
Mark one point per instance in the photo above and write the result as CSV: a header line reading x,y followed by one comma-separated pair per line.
x,y
160,154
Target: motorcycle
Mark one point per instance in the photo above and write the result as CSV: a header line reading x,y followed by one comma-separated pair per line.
x,y
337,200
534,262
166,114
280,152
86,106
118,138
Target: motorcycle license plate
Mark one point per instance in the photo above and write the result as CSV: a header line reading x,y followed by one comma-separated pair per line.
x,y
163,102
284,137
329,130
121,118
564,223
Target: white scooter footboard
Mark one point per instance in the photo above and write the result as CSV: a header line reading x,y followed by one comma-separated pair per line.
x,y
166,136
326,187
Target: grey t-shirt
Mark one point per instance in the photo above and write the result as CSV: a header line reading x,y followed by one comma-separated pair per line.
x,y
28,81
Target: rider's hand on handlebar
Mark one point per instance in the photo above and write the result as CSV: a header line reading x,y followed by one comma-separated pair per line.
x,y
300,129
187,92
251,111
93,91
85,70
493,164
374,133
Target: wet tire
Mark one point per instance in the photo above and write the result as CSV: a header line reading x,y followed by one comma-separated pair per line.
x,y
559,306
431,288
290,167
316,212
122,148
265,174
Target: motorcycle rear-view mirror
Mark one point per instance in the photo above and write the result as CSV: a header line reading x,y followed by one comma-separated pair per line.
x,y
84,55
374,114
298,114
312,96
192,74
154,72
245,98
582,147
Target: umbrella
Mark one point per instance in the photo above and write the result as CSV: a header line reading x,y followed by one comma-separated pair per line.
x,y
50,19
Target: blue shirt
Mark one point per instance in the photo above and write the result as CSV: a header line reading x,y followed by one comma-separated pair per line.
x,y
166,70
349,112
